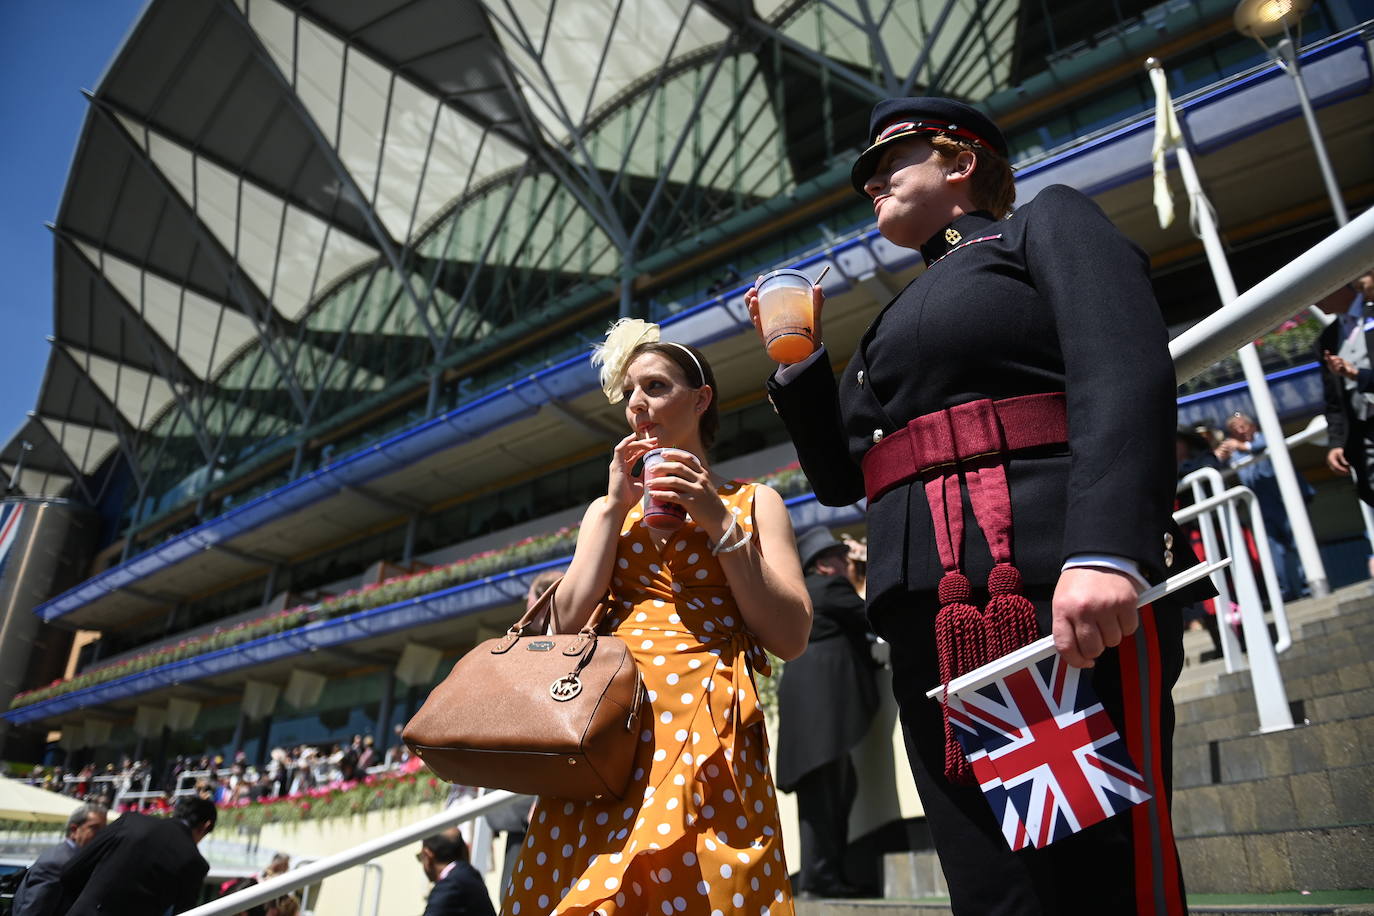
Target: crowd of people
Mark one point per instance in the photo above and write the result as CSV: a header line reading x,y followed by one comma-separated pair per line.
x,y
134,785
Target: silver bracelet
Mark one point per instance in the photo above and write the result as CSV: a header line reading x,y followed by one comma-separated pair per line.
x,y
725,536
737,545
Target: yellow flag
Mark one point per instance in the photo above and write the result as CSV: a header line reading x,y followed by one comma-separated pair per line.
x,y
1167,135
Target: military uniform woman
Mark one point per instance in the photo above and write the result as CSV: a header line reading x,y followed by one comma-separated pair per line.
x,y
1031,363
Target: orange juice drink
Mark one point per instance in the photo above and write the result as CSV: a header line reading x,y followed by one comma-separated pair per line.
x,y
787,315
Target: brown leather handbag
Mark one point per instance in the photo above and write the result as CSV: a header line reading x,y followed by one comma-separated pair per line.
x,y
554,715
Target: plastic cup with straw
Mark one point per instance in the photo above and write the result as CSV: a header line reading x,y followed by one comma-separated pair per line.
x,y
787,314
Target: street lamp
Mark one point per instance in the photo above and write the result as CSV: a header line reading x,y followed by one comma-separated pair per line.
x,y
1261,19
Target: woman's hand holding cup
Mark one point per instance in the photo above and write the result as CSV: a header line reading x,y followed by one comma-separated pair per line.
x,y
680,478
624,488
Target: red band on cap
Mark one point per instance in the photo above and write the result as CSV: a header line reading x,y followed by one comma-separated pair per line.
x,y
893,129
930,127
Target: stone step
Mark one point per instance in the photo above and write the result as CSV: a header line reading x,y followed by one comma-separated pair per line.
x,y
1329,858
1298,909
913,875
1306,620
922,908
1346,705
1314,685
872,908
1217,718
1304,749
1313,656
1326,798
914,884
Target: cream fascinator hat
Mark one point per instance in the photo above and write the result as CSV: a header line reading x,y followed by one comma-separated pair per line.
x,y
613,354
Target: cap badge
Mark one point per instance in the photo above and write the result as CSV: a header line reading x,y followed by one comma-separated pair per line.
x,y
952,236
892,129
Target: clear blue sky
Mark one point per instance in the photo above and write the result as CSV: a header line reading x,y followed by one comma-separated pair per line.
x,y
49,51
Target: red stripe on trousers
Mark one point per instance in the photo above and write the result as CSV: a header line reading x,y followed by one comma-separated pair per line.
x,y
1152,769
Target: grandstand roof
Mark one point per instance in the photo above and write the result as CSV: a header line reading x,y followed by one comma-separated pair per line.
x,y
261,219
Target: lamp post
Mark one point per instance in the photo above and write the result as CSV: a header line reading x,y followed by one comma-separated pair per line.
x,y
1261,19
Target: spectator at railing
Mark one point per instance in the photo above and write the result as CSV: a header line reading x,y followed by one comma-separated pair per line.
x,y
279,865
1245,441
458,888
142,864
1345,348
40,893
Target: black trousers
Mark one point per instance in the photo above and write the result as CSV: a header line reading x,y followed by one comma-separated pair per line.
x,y
824,797
1126,864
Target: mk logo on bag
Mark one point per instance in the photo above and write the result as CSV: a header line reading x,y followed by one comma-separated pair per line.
x,y
540,645
566,687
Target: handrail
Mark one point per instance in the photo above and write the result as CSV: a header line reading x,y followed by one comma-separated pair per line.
x,y
320,869
1310,277
1266,680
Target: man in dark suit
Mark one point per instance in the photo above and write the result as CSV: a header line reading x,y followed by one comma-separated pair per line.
x,y
458,888
826,702
40,893
142,866
1345,346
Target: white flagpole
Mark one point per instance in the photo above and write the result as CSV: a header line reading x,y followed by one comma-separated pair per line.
x,y
1265,413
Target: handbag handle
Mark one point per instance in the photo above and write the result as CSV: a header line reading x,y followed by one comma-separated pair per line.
x,y
545,604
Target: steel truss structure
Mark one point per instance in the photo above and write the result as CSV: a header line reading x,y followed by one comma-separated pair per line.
x,y
280,210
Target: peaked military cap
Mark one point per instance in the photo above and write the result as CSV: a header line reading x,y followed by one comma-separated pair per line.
x,y
898,119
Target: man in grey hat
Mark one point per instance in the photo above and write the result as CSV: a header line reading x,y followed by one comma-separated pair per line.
x,y
826,702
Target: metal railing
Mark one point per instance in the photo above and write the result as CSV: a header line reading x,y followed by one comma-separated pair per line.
x,y
1309,278
123,784
320,869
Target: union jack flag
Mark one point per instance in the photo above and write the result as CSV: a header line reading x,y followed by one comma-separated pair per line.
x,y
1004,808
1045,753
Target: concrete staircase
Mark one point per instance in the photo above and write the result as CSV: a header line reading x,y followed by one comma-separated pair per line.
x,y
1255,815
1289,810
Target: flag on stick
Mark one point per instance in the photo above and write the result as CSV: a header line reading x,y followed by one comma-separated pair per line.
x,y
1044,751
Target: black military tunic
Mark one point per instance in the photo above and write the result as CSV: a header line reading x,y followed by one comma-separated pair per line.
x,y
1052,298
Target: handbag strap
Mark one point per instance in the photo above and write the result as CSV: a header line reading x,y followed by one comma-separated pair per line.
x,y
545,605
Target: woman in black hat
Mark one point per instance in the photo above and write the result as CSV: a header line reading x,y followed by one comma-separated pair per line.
x,y
1009,416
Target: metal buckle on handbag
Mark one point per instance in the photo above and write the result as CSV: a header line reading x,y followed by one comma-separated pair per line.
x,y
565,688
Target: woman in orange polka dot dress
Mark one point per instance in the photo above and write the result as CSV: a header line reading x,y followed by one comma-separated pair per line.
x,y
697,829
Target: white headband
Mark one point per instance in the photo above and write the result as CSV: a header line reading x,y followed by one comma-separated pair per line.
x,y
701,373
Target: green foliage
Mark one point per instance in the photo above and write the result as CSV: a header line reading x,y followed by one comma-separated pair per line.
x,y
1291,344
787,480
375,793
